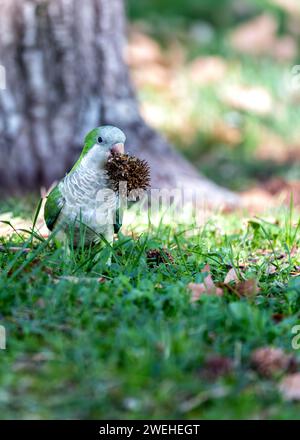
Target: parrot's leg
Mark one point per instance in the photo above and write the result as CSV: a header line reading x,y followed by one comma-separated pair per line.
x,y
106,238
67,248
109,237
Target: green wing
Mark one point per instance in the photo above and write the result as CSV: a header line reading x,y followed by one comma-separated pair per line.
x,y
54,204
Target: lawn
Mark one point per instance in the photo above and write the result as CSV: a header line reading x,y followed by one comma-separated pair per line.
x,y
204,328
131,340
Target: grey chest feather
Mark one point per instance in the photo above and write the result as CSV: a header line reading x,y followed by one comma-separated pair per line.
x,y
88,200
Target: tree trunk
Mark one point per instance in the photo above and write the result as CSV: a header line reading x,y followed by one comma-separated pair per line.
x,y
66,75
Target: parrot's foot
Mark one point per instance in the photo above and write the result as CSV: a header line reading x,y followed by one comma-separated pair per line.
x,y
108,239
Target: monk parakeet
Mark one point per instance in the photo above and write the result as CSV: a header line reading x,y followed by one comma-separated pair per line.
x,y
81,204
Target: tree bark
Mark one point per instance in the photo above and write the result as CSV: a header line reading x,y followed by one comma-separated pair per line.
x,y
66,75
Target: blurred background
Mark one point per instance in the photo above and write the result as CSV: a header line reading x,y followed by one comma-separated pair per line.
x,y
220,79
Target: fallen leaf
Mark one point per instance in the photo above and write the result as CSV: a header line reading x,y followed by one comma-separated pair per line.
x,y
248,98
290,387
208,287
294,251
228,287
225,133
278,317
268,361
259,37
283,190
285,48
231,276
197,290
142,50
247,288
207,70
217,366
208,281
271,269
257,200
273,147
158,76
256,36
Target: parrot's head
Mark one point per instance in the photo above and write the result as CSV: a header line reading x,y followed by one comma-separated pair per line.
x,y
101,142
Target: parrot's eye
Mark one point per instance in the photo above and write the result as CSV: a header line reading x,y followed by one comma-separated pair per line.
x,y
100,140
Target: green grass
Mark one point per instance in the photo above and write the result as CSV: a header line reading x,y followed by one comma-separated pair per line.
x,y
134,346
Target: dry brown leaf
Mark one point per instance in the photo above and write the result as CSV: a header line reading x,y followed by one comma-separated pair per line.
x,y
257,200
225,133
255,37
231,276
294,251
273,147
208,281
248,98
217,366
207,70
247,288
175,57
142,50
278,317
268,361
285,49
259,37
271,269
158,76
282,190
197,290
208,286
290,387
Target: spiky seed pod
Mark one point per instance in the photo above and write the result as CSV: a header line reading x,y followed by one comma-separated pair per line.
x,y
124,168
155,257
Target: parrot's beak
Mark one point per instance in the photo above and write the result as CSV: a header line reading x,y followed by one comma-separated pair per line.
x,y
118,148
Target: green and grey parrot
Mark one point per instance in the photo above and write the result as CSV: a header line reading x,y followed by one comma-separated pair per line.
x,y
82,200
